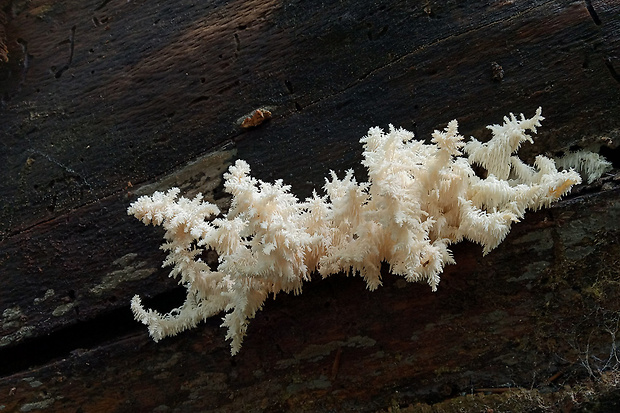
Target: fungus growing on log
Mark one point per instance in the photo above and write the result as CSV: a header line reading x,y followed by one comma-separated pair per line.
x,y
419,199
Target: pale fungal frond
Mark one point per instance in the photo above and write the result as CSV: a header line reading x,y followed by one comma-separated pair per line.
x,y
590,165
495,154
419,199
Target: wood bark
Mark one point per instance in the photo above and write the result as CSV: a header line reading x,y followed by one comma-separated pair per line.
x,y
107,100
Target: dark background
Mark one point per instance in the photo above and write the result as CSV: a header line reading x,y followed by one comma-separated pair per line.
x,y
103,101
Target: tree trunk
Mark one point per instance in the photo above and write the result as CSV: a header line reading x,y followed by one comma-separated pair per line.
x,y
105,101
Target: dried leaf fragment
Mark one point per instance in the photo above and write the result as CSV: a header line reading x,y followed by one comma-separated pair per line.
x,y
258,117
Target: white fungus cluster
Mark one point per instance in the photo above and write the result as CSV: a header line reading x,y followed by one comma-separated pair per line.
x,y
590,165
419,199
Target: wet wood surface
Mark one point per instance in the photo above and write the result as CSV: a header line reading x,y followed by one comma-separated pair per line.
x,y
108,100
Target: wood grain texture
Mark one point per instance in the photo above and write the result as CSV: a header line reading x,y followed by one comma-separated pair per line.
x,y
104,101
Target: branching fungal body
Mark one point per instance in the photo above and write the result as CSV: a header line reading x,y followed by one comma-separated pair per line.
x,y
419,199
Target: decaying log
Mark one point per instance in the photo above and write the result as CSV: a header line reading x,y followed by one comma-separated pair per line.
x,y
108,100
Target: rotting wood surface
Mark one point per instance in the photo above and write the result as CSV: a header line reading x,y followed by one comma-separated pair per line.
x,y
108,100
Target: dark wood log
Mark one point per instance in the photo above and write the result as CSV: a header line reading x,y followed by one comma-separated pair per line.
x,y
108,100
